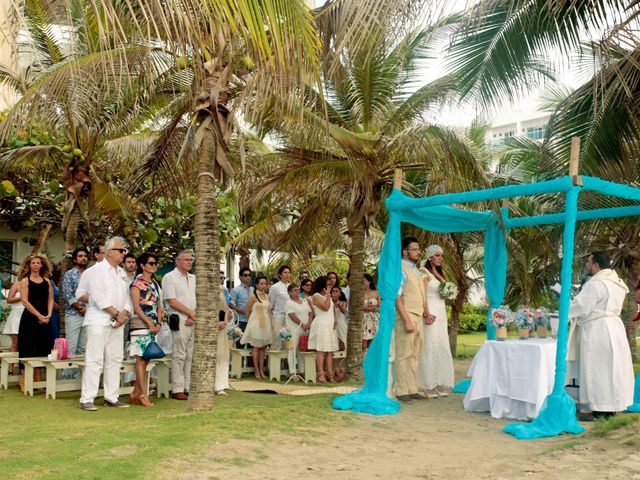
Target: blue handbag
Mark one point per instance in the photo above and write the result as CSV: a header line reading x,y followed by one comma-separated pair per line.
x,y
153,351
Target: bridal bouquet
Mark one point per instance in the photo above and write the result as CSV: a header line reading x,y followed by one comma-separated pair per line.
x,y
448,290
524,318
284,334
500,317
234,332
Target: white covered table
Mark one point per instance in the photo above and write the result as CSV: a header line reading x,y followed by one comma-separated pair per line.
x,y
511,379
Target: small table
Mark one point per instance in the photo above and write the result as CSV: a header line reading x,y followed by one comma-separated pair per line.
x,y
6,359
274,360
511,379
237,357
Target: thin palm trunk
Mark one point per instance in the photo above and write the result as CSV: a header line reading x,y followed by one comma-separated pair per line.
x,y
356,303
207,257
70,243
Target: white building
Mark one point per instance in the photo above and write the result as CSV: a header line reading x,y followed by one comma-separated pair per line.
x,y
525,122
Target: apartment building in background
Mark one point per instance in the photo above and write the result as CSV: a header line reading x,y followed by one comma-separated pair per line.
x,y
525,122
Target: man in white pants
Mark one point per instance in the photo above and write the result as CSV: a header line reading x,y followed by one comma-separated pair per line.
x,y
108,308
179,290
279,296
598,342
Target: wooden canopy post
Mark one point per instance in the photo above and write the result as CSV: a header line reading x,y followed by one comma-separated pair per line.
x,y
574,161
398,174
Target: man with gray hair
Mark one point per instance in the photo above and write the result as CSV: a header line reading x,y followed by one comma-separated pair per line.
x,y
179,290
106,286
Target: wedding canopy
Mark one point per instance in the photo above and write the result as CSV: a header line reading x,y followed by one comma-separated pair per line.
x,y
437,215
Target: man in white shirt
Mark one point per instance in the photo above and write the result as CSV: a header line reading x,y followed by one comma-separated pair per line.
x,y
279,296
109,307
598,346
179,290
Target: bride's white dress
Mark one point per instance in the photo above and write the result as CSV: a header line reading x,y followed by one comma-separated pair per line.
x,y
436,365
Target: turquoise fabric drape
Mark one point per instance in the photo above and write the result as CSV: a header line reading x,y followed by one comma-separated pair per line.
x,y
636,397
435,214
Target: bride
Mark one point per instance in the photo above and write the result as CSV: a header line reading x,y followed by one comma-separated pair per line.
x,y
435,369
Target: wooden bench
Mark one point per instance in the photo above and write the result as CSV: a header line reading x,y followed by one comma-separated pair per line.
x,y
310,372
128,366
6,359
30,365
163,369
238,356
53,384
274,362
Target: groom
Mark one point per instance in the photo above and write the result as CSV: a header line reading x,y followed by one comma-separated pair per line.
x,y
411,312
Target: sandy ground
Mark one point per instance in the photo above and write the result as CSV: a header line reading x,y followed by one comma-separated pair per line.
x,y
432,439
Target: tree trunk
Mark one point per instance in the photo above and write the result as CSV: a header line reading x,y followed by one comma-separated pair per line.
x,y
245,257
70,243
356,304
628,315
462,281
42,238
207,258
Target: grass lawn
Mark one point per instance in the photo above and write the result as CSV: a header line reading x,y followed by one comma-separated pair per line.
x,y
54,439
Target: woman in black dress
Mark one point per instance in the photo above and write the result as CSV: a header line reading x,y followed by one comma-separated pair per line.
x,y
36,293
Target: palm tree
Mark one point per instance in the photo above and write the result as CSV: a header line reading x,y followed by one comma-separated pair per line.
x,y
341,166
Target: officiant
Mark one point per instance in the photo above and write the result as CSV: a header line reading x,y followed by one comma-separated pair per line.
x,y
599,354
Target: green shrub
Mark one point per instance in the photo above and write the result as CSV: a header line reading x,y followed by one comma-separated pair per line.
x,y
472,319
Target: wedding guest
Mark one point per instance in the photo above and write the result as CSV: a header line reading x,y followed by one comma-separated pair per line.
x,y
435,368
145,322
279,297
222,351
55,316
36,294
12,325
305,289
75,332
299,315
259,332
322,335
240,296
332,280
340,312
371,318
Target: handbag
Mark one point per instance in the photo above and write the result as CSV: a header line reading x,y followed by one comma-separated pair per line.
x,y
153,352
164,339
303,343
62,346
174,322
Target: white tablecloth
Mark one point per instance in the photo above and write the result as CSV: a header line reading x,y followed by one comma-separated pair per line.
x,y
511,379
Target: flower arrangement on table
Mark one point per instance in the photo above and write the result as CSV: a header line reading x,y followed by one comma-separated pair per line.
x,y
500,318
542,319
524,320
285,336
448,290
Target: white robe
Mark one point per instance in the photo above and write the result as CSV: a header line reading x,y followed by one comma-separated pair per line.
x,y
598,346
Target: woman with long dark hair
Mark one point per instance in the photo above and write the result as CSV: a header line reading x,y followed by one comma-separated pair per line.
x,y
259,332
146,321
322,335
371,318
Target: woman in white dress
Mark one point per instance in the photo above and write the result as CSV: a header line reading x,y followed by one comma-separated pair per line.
x,y
435,369
371,318
299,316
12,325
322,336
258,332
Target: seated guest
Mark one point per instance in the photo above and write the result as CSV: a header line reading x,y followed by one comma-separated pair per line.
x,y
259,332
299,315
145,322
322,336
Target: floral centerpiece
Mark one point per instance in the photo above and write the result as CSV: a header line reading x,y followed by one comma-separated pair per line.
x,y
542,320
524,321
448,290
499,318
285,337
234,333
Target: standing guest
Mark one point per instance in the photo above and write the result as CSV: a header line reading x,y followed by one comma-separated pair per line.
x,y
347,290
98,252
342,327
278,296
598,342
305,289
221,382
259,332
55,316
239,297
145,323
435,369
109,307
332,280
36,294
179,287
74,314
411,314
371,319
299,316
225,290
12,326
130,266
322,336
304,275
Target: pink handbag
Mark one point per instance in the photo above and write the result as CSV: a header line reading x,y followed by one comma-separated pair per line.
x,y
62,346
